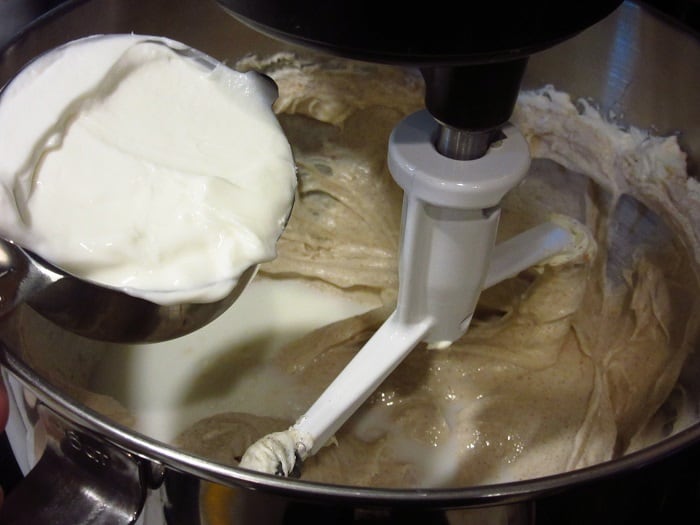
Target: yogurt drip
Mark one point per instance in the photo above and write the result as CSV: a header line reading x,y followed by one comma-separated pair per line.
x,y
128,163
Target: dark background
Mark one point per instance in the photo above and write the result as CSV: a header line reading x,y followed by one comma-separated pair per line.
x,y
666,493
685,11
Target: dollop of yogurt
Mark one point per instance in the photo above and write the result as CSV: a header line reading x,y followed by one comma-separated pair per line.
x,y
136,162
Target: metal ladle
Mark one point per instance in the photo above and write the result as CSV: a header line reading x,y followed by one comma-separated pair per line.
x,y
98,311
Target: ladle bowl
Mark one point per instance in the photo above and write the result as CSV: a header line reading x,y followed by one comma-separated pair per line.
x,y
108,313
97,311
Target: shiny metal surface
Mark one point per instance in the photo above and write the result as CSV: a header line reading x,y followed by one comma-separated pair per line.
x,y
632,65
637,68
16,14
77,474
462,144
94,311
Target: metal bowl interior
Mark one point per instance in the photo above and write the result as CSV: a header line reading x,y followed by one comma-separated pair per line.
x,y
632,64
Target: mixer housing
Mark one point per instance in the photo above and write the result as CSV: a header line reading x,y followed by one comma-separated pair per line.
x,y
473,51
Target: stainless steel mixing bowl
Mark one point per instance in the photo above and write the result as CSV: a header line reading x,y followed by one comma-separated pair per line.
x,y
634,64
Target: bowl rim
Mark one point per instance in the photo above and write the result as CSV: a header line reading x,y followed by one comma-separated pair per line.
x,y
171,457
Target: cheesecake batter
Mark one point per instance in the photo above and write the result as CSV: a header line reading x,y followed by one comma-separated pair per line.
x,y
568,364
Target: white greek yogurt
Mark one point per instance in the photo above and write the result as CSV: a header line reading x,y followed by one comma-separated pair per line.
x,y
129,164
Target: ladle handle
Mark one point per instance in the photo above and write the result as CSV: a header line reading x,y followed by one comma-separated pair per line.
x,y
20,278
79,479
11,277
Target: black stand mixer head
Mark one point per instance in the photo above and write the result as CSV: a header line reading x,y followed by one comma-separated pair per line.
x,y
472,54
